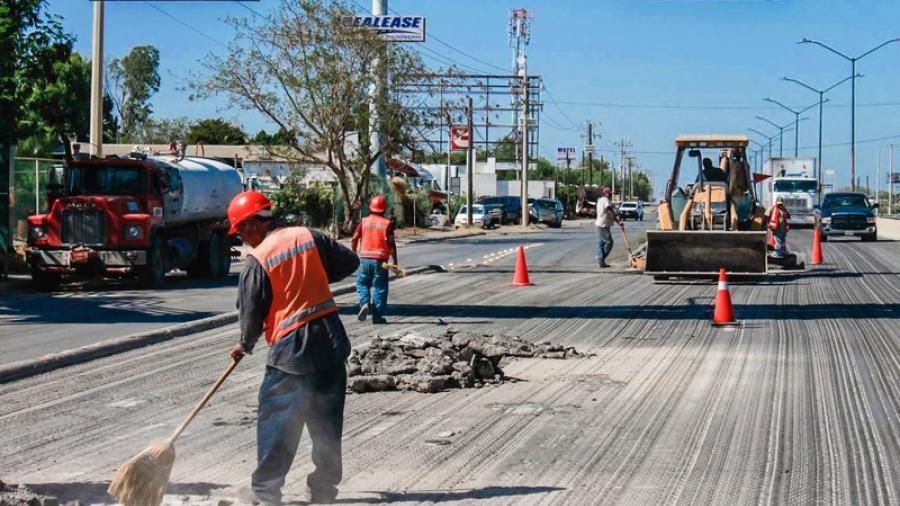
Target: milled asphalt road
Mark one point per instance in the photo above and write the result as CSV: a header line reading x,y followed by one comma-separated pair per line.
x,y
33,324
798,405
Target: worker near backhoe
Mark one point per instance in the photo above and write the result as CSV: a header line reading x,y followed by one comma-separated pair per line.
x,y
374,242
778,225
711,172
283,292
606,217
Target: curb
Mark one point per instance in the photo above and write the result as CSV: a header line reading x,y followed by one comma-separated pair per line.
x,y
439,239
47,363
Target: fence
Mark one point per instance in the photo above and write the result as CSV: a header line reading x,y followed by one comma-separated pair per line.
x,y
29,195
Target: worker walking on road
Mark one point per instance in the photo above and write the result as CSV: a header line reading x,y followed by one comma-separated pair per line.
x,y
374,242
283,291
778,225
606,217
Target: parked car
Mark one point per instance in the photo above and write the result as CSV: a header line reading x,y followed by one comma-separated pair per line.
x,y
847,214
548,211
510,207
633,210
486,218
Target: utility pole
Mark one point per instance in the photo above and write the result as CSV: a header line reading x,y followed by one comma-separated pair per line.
x,y
470,164
377,89
525,92
96,124
891,176
589,152
568,187
600,176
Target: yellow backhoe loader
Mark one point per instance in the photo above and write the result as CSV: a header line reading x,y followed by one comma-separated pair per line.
x,y
712,220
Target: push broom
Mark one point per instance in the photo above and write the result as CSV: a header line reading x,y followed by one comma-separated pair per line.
x,y
143,480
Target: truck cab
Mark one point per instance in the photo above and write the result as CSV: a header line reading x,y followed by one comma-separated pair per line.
x,y
847,214
139,216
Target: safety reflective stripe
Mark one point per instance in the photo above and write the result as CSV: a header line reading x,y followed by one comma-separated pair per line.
x,y
375,226
364,252
723,285
296,250
304,313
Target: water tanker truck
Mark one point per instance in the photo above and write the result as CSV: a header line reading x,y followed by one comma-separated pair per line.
x,y
134,217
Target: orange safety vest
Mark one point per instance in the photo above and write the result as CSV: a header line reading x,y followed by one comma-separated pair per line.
x,y
375,238
778,219
300,291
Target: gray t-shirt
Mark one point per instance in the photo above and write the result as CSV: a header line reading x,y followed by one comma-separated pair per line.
x,y
604,209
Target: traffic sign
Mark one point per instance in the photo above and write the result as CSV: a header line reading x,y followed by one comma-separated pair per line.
x,y
459,138
565,153
589,148
454,185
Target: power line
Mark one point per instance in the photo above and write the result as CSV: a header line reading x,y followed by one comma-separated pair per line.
x,y
189,27
712,107
556,105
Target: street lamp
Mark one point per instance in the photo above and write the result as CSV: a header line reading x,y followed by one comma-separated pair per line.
x,y
765,136
796,122
781,129
821,95
852,61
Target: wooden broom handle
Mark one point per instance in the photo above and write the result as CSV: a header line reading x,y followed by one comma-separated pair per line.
x,y
203,401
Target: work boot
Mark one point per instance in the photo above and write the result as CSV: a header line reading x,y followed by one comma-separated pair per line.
x,y
378,320
321,496
363,313
604,265
246,495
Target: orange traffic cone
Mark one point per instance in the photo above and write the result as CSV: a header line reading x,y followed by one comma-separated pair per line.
x,y
724,312
817,247
521,276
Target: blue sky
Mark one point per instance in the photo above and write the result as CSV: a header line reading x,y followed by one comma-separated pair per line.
x,y
647,70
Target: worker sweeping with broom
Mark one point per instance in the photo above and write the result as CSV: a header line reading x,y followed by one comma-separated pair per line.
x,y
283,292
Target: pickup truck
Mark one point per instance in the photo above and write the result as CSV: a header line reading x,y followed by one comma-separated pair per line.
x,y
847,214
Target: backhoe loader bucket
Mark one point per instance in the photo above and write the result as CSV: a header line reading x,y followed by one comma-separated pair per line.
x,y
702,253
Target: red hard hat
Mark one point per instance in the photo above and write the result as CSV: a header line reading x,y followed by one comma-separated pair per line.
x,y
244,206
378,204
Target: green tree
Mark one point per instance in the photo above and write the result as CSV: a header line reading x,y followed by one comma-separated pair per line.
x,y
30,41
130,82
308,71
215,131
162,131
279,138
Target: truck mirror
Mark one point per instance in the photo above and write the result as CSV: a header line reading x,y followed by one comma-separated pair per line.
x,y
876,205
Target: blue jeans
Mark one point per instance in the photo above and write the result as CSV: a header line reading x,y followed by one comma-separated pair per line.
x,y
780,246
604,244
287,402
372,276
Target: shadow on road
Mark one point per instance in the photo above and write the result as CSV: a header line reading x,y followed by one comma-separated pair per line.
x,y
447,495
108,303
648,312
95,492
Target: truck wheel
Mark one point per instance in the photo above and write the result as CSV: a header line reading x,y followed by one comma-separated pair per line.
x,y
224,255
45,281
153,275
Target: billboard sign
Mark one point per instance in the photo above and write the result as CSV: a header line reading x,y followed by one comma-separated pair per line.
x,y
394,28
565,153
459,138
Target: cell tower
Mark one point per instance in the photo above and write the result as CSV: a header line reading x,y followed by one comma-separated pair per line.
x,y
519,37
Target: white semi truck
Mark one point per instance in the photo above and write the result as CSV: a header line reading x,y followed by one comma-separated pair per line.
x,y
792,178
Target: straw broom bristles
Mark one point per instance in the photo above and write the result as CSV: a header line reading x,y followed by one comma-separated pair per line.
x,y
143,480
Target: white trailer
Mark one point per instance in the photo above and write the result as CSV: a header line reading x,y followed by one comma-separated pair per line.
x,y
792,179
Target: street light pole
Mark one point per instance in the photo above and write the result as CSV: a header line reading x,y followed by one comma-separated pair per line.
x,y
796,122
852,61
821,94
768,139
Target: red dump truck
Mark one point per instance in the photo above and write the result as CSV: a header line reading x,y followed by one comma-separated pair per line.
x,y
138,217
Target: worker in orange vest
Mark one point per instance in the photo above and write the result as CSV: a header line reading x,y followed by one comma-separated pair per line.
x,y
778,225
283,293
374,242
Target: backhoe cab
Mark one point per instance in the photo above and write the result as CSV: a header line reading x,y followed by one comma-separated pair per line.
x,y
710,217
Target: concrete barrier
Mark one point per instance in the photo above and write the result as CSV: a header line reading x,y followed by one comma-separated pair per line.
x,y
888,228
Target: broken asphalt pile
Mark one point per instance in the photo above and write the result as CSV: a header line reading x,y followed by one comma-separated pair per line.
x,y
11,495
451,359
